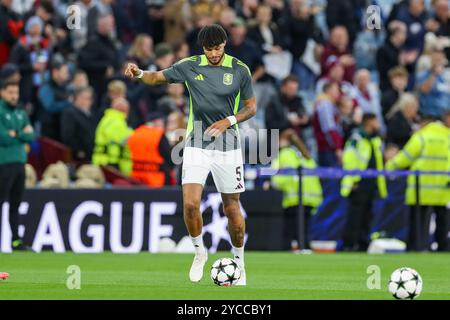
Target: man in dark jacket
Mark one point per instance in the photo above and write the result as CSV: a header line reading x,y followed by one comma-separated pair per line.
x,y
15,132
100,57
390,54
54,98
78,125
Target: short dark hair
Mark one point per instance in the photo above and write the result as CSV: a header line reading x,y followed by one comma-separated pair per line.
x,y
290,78
368,116
8,83
211,36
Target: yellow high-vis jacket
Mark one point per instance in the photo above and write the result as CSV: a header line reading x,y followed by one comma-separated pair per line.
x,y
428,149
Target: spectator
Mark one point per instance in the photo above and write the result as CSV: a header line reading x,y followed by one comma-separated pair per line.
x,y
434,89
31,55
398,78
176,123
131,20
141,51
246,9
100,8
78,125
278,9
79,80
350,115
164,58
177,20
298,25
15,132
46,11
151,153
265,33
100,57
116,90
441,21
9,72
327,126
154,21
247,51
343,13
286,109
111,136
181,50
226,18
390,54
10,27
335,74
367,96
175,100
338,49
400,120
414,16
54,98
286,113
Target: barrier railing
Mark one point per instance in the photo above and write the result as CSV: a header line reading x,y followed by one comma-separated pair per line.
x,y
337,173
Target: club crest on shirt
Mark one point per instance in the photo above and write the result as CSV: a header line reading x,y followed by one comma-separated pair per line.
x,y
227,79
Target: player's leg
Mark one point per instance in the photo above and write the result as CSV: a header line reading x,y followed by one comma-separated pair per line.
x,y
15,197
236,228
228,174
7,180
194,173
192,193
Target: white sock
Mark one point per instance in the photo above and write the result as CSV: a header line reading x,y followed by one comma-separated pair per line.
x,y
198,244
238,255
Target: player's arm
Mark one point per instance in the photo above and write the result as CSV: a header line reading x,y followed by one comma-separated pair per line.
x,y
148,77
247,111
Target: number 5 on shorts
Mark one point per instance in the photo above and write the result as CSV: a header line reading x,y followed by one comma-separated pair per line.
x,y
238,173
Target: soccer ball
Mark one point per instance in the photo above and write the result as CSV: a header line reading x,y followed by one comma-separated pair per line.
x,y
405,283
225,272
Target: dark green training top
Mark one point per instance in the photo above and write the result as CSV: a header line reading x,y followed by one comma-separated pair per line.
x,y
215,92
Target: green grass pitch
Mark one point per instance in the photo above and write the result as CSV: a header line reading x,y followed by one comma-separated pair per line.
x,y
270,275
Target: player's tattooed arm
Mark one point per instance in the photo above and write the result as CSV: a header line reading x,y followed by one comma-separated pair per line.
x,y
247,111
148,77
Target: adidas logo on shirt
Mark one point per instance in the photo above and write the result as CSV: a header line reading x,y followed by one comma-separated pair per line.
x,y
199,77
239,186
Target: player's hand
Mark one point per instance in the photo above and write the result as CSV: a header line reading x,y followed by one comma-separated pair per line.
x,y
132,71
218,127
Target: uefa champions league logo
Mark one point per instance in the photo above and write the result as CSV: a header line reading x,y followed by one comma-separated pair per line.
x,y
218,225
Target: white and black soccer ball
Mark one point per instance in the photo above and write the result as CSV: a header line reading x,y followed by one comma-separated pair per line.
x,y
225,272
405,283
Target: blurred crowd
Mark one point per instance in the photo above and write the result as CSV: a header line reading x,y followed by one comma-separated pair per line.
x,y
317,67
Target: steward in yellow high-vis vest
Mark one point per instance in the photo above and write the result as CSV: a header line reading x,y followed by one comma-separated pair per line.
x,y
428,149
290,158
363,150
110,138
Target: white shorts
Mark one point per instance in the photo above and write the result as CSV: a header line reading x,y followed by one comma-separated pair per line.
x,y
226,166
